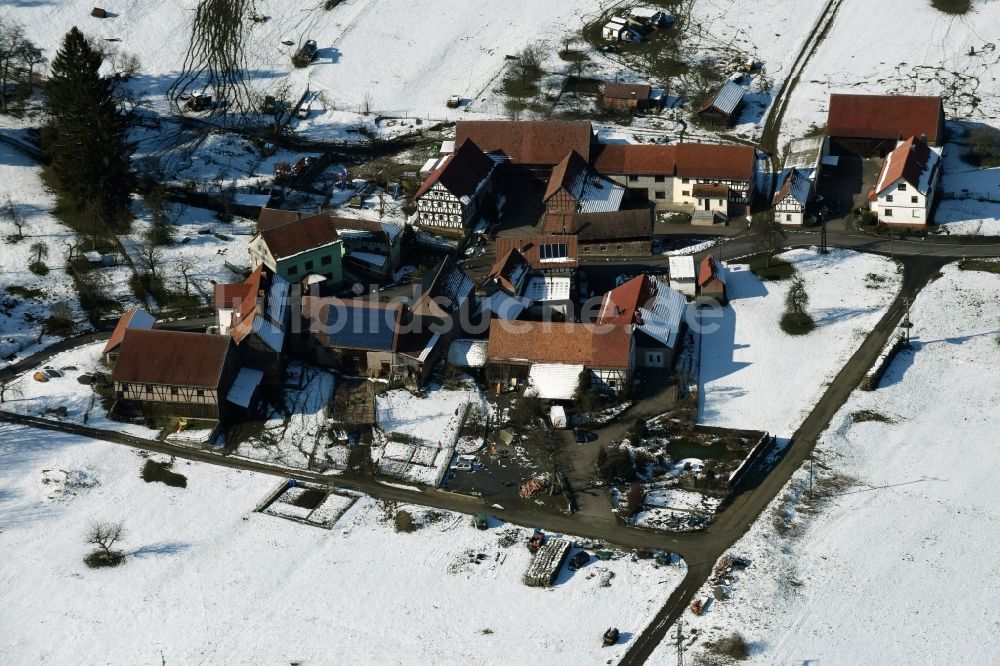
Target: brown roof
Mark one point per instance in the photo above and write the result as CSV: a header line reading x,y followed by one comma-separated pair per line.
x,y
626,91
528,142
632,224
462,171
230,296
569,343
620,304
172,358
707,270
270,218
566,174
530,248
884,117
143,320
908,161
710,190
301,235
509,270
640,160
715,161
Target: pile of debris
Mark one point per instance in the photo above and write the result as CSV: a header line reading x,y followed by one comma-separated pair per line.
x,y
546,562
532,487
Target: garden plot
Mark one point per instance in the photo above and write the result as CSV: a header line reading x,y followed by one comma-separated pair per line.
x,y
954,57
295,433
900,535
56,609
310,504
26,298
755,376
66,399
676,510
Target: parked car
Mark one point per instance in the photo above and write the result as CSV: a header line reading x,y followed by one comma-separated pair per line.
x,y
611,636
454,101
579,560
584,436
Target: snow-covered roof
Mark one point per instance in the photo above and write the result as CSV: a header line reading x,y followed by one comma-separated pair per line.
x,y
682,267
661,316
430,165
370,258
93,256
805,154
502,305
540,289
447,146
246,382
428,348
467,353
912,160
554,381
601,195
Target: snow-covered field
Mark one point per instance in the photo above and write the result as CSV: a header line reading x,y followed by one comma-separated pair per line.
x,y
753,375
207,580
21,314
899,564
927,52
970,203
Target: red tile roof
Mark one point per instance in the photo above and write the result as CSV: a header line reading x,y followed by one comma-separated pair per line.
x,y
632,224
270,218
530,248
626,91
710,190
172,358
908,161
134,318
570,343
301,235
707,270
884,117
528,142
639,160
620,304
565,174
715,161
508,268
462,171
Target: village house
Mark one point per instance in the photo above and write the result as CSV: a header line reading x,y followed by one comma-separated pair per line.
x,y
622,233
550,285
712,281
446,295
667,175
309,246
557,353
176,374
530,147
576,188
618,29
797,180
452,195
655,313
907,185
371,339
504,286
135,319
682,275
872,125
255,314
372,249
723,107
627,97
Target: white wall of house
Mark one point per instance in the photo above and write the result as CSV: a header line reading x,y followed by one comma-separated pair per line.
x,y
739,192
902,204
790,212
260,254
658,189
713,204
686,286
439,207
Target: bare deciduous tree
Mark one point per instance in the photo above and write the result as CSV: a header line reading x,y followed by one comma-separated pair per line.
x,y
104,536
185,267
150,257
39,251
10,386
797,299
10,214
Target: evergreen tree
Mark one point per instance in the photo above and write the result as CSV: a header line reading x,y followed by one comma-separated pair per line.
x,y
86,136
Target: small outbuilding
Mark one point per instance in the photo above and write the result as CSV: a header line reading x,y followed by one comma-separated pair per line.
x,y
723,107
618,29
712,280
627,97
682,275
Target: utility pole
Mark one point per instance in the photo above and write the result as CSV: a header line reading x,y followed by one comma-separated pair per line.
x,y
906,324
892,246
680,643
823,249
810,479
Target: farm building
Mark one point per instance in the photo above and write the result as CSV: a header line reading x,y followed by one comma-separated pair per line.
x,y
627,97
907,184
712,280
872,125
372,339
619,29
136,319
682,274
255,314
626,233
607,352
452,195
651,17
444,291
306,247
175,374
797,180
656,314
372,250
723,107
504,286
532,276
529,145
574,187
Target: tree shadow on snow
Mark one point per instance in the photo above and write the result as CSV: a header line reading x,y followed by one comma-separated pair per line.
x,y
167,548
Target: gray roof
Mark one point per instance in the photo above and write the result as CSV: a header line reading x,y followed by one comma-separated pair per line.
x,y
728,98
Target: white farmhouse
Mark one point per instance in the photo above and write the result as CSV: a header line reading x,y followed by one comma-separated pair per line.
x,y
797,181
907,184
453,193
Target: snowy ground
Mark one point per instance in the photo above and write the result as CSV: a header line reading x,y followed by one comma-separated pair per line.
x,y
81,403
233,586
970,196
860,56
898,565
20,314
755,376
295,433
